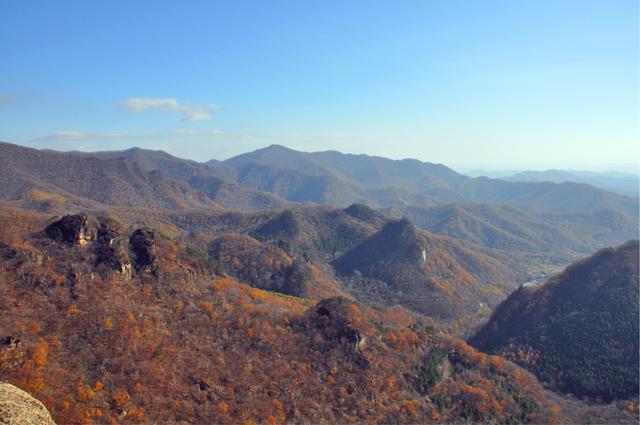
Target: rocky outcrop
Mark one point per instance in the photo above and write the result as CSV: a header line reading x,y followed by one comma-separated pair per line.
x,y
105,239
12,353
335,316
17,407
143,246
340,322
70,229
109,248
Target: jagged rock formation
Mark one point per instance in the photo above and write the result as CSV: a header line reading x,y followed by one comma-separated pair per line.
x,y
70,229
105,238
109,247
17,407
397,242
143,247
12,353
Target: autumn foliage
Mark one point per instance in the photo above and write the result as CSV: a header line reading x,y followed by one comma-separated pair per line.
x,y
189,345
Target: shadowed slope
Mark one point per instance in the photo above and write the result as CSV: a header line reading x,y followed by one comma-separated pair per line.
x,y
579,331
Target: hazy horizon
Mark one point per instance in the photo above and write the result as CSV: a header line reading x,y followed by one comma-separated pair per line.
x,y
496,86
506,169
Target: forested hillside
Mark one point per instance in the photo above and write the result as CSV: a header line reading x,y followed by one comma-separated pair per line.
x,y
579,331
123,325
140,287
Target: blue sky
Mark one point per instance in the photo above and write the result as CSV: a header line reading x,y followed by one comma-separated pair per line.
x,y
495,84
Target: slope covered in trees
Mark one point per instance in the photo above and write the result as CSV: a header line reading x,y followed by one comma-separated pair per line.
x,y
118,181
429,274
579,331
174,341
214,182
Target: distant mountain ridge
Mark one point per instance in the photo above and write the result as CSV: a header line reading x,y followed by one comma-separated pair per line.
x,y
212,182
474,254
622,183
115,181
275,177
333,177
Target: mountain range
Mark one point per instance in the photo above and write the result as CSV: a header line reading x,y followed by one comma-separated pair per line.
x,y
623,182
275,176
619,182
333,177
282,286
461,257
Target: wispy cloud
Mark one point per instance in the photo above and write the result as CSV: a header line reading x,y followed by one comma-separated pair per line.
x,y
4,98
62,136
197,116
196,133
76,136
186,132
190,113
141,104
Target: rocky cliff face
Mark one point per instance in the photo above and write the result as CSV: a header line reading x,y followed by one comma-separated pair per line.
x,y
19,408
103,237
110,249
70,229
143,246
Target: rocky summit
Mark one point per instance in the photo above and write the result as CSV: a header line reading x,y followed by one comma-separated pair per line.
x,y
17,407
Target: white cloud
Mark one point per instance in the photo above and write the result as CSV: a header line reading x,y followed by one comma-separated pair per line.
x,y
77,136
197,115
186,132
140,104
194,133
190,113
62,135
70,134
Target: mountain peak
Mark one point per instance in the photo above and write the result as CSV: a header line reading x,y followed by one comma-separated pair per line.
x,y
398,242
402,229
363,212
276,148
